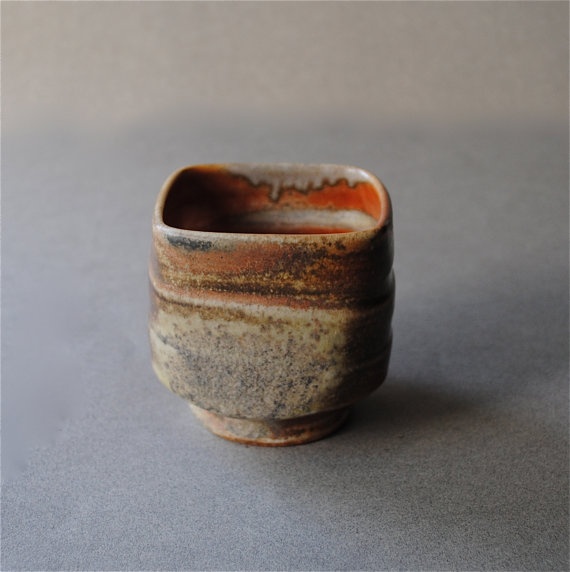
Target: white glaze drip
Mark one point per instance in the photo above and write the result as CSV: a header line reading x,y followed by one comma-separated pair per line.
x,y
303,178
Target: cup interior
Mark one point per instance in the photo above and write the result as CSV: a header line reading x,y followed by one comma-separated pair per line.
x,y
279,199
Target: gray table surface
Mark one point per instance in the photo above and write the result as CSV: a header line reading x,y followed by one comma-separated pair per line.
x,y
460,460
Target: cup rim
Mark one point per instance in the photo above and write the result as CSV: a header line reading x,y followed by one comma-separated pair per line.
x,y
264,173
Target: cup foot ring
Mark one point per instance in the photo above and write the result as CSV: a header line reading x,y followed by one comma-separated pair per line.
x,y
272,432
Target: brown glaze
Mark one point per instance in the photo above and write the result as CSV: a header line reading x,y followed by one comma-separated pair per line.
x,y
272,432
272,295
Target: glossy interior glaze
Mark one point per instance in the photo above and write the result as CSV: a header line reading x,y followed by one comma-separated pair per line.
x,y
214,199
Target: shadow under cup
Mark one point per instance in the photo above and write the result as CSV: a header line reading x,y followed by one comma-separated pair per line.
x,y
272,295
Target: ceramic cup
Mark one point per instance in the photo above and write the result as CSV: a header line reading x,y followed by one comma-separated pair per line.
x,y
272,296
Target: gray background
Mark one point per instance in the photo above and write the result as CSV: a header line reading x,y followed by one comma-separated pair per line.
x,y
460,461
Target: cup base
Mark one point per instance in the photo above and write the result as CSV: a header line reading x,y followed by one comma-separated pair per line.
x,y
272,432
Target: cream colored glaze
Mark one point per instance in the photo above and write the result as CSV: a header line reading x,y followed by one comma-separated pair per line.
x,y
279,345
301,177
287,221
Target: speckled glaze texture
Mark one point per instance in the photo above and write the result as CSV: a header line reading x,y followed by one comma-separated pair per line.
x,y
272,296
